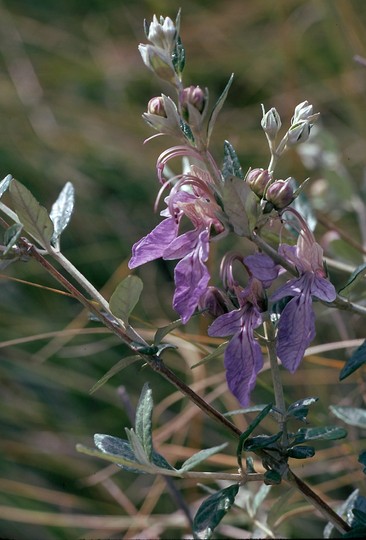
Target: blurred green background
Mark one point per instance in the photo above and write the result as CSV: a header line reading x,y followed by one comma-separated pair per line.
x,y
72,92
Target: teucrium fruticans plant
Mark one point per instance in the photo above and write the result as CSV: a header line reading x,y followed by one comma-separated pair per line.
x,y
267,315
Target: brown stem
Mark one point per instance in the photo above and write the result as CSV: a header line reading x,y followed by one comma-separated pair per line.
x,y
157,365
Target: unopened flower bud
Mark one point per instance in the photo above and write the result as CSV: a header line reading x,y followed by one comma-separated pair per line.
x,y
156,106
162,34
280,193
258,180
303,111
214,302
271,123
158,61
298,133
194,95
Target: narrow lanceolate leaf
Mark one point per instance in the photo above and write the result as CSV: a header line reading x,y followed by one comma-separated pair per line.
x,y
122,364
357,360
143,421
214,354
219,104
31,214
165,330
353,280
125,297
351,415
231,165
197,458
137,447
62,209
243,437
4,184
326,432
212,511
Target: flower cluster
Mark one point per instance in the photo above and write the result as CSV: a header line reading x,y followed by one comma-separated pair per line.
x,y
214,205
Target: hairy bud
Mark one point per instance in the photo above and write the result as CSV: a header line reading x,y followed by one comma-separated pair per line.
x,y
271,123
258,180
156,106
280,193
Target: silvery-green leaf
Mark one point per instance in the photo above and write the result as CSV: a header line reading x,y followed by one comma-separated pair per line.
x,y
31,214
4,184
62,209
137,447
325,433
212,511
236,194
351,415
220,102
197,458
231,165
143,421
122,364
125,297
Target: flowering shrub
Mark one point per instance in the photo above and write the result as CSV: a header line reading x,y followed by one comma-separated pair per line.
x,y
266,314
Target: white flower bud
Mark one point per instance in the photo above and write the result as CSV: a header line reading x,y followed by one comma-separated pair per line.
x,y
271,122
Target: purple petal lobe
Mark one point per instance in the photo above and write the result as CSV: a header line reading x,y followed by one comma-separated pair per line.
x,y
227,324
243,360
296,331
182,245
262,267
323,289
191,279
153,245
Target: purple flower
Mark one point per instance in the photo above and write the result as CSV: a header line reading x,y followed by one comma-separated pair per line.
x,y
243,357
196,201
296,328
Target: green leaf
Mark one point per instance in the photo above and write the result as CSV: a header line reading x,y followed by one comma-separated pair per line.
x,y
357,360
125,297
187,132
217,108
262,441
4,184
325,433
351,415
272,478
165,330
217,352
212,511
121,450
299,409
231,165
143,420
179,57
118,447
357,275
197,458
245,410
31,214
236,193
122,364
62,209
11,237
301,452
257,420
